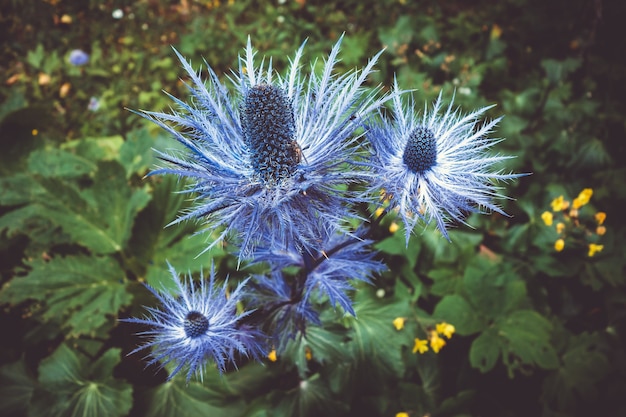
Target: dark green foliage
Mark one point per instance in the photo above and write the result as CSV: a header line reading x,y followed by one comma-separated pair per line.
x,y
538,331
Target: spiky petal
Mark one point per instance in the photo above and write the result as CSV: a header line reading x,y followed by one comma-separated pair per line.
x,y
437,167
271,164
196,325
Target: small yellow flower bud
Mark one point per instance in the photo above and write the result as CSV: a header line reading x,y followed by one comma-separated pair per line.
x,y
560,227
420,346
445,329
436,342
547,218
559,245
66,18
272,356
600,217
393,227
379,211
308,354
559,204
593,249
402,414
398,323
600,230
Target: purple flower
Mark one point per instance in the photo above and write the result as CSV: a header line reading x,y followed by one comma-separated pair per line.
x,y
437,166
198,324
78,57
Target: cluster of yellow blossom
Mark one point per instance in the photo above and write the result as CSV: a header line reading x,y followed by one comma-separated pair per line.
x,y
273,356
568,222
433,337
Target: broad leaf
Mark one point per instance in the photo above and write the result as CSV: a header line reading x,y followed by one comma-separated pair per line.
x,y
86,292
80,387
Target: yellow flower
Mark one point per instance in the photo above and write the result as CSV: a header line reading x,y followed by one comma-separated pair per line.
x,y
445,329
308,354
600,230
547,218
560,227
272,356
600,217
393,227
559,245
559,204
379,211
583,198
420,346
398,323
573,213
34,132
593,249
436,342
402,414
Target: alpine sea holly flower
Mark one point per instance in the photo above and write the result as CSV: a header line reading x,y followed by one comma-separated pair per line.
x,y
197,324
436,167
271,164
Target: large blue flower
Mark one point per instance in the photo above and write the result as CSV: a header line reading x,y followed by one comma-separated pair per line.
x,y
272,163
436,167
196,325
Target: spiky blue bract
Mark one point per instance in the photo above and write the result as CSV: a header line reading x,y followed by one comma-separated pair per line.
x,y
341,259
271,163
437,166
197,324
279,301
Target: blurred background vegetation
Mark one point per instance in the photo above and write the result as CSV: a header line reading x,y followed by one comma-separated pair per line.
x,y
540,325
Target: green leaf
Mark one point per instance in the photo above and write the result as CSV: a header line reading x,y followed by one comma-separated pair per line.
x,y
456,310
99,218
16,388
79,387
375,341
87,292
584,365
136,153
485,351
325,346
57,163
177,398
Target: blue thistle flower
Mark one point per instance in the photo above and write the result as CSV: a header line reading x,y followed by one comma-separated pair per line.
x,y
271,164
436,167
328,272
197,325
78,57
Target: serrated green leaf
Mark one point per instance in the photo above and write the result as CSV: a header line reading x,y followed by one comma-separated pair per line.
x,y
136,153
96,149
325,347
457,311
79,387
99,218
179,398
446,280
485,351
526,334
374,339
492,288
584,364
16,388
86,292
57,163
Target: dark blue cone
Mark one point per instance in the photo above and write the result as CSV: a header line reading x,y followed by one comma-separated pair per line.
x,y
269,127
420,153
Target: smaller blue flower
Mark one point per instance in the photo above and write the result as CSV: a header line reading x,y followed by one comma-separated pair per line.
x,y
198,324
438,166
94,104
78,57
